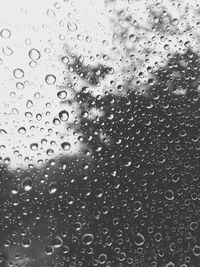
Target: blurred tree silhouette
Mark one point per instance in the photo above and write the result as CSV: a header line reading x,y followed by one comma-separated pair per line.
x,y
144,148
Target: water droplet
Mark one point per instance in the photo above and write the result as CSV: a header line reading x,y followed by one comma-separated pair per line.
x,y
34,146
169,194
170,264
22,130
20,86
27,184
50,79
87,239
18,73
57,242
52,187
66,146
29,104
63,115
71,26
139,239
7,51
5,33
102,258
65,60
49,250
62,94
34,54
196,250
137,205
26,242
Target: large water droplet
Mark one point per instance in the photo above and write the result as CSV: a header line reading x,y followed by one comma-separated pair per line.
x,y
87,239
139,239
50,79
63,115
18,73
5,33
66,146
71,26
34,54
27,184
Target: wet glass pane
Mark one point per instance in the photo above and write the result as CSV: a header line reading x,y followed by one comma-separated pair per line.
x,y
99,133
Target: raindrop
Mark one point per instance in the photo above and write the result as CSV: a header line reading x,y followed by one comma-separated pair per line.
x,y
34,146
170,264
29,104
7,51
71,26
53,187
169,194
5,33
62,94
50,79
63,115
102,258
66,146
27,184
22,130
196,250
87,239
57,242
34,54
139,239
20,86
18,73
65,60
26,243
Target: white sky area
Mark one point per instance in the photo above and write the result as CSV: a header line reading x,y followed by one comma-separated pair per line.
x,y
48,26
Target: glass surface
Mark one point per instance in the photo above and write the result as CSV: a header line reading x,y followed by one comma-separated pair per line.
x,y
99,133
